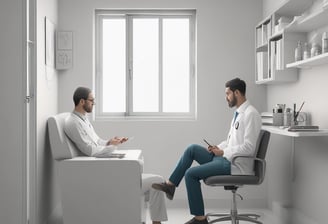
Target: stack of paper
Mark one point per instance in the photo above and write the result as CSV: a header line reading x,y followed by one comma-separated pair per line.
x,y
267,118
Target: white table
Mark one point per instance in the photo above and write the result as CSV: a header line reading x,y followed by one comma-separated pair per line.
x,y
284,131
294,134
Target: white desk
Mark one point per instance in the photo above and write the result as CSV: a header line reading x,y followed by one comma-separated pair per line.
x,y
102,190
285,132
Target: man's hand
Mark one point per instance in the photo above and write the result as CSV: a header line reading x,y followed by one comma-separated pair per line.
x,y
215,150
117,140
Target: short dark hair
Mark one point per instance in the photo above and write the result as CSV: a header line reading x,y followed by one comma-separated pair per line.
x,y
81,93
237,84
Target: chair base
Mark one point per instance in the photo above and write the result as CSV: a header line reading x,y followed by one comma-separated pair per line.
x,y
233,217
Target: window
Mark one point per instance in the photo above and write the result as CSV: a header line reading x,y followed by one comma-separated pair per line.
x,y
145,63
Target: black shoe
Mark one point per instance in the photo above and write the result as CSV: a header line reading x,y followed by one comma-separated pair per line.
x,y
167,188
195,221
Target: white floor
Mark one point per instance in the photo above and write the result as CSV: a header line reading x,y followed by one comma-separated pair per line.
x,y
180,216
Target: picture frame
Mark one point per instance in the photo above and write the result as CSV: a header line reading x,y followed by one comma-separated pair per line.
x,y
64,40
49,43
64,50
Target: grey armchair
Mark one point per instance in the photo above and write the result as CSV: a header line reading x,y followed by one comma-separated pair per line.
x,y
233,182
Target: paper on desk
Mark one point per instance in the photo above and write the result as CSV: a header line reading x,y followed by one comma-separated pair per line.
x,y
106,152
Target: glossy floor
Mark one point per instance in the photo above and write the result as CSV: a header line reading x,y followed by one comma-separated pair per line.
x,y
180,216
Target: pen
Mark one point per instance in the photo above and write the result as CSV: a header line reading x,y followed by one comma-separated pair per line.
x,y
294,111
297,113
301,107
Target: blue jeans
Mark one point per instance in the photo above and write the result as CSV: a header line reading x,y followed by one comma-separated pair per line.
x,y
210,165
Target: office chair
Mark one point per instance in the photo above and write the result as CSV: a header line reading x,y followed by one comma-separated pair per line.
x,y
233,182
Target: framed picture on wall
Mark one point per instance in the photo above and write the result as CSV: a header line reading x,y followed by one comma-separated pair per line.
x,y
49,43
64,40
64,50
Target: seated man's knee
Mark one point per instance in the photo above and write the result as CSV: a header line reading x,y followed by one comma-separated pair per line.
x,y
190,174
191,148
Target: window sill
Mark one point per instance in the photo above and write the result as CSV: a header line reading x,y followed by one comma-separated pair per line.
x,y
145,118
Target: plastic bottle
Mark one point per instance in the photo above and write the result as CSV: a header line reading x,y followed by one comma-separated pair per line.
x,y
306,52
324,42
288,117
298,51
315,50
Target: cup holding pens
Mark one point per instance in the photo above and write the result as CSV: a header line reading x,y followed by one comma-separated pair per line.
x,y
302,119
295,120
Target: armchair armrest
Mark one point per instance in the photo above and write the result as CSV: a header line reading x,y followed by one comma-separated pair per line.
x,y
98,188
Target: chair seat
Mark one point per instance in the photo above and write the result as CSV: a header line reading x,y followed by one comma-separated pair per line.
x,y
226,180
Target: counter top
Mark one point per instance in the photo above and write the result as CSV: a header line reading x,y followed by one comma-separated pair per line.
x,y
284,131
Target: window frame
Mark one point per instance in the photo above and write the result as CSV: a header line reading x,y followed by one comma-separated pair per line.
x,y
98,79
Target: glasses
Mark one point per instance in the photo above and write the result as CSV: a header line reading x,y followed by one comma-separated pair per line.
x,y
91,100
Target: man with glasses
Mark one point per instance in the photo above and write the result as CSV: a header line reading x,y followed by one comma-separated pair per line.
x,y
79,129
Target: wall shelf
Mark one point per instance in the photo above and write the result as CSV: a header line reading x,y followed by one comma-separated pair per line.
x,y
311,62
262,48
276,63
309,22
294,7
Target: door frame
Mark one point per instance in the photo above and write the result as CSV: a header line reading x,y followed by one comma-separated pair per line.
x,y
29,113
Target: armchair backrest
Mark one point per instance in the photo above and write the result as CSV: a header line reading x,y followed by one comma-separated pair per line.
x,y
61,146
261,146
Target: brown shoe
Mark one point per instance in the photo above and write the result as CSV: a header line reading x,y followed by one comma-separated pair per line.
x,y
167,188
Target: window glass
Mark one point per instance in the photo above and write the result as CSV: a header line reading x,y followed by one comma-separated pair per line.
x,y
176,65
145,65
114,65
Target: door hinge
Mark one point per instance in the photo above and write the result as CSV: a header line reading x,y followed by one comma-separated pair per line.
x,y
27,99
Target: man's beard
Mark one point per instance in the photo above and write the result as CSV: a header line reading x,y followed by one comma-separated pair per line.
x,y
233,102
87,109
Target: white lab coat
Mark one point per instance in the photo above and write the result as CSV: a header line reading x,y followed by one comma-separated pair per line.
x,y
242,138
79,129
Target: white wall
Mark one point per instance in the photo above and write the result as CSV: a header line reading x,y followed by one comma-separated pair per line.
x,y
225,49
12,23
47,195
11,113
309,191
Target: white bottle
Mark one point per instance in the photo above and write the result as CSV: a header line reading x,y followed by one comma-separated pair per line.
x,y
288,117
306,52
298,51
324,42
315,50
